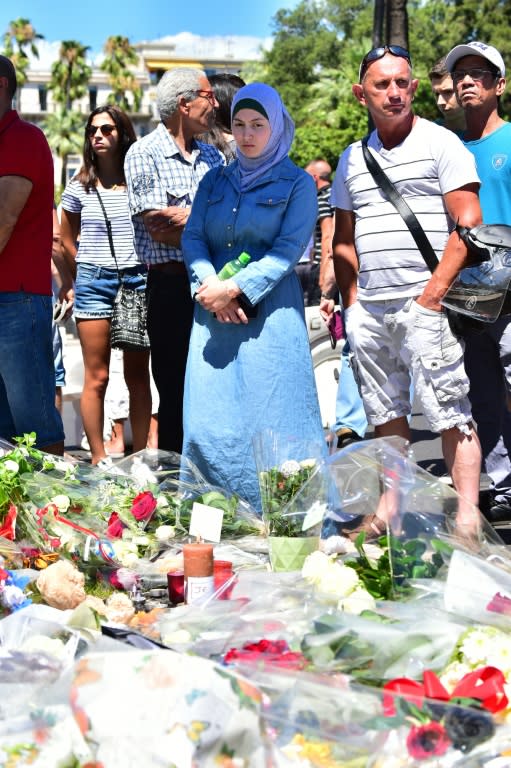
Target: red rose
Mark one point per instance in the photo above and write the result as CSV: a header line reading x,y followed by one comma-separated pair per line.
x,y
8,529
114,580
143,506
275,652
428,740
115,526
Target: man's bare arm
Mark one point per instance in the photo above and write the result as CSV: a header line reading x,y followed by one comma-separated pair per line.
x,y
326,268
345,257
14,193
464,208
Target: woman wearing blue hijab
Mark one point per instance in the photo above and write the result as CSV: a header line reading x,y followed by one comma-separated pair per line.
x,y
249,364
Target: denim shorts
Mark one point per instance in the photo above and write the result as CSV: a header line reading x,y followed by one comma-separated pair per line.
x,y
96,288
395,342
27,374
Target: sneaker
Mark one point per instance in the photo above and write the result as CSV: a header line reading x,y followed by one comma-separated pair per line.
x,y
499,515
346,436
372,525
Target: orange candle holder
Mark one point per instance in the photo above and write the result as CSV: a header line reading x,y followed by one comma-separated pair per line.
x,y
198,572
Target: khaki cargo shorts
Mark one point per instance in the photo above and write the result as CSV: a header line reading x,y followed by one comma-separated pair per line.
x,y
395,342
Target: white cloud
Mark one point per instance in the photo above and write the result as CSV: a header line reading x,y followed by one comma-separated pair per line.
x,y
185,45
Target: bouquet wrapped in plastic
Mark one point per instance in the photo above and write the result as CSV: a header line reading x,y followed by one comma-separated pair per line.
x,y
417,521
294,495
342,724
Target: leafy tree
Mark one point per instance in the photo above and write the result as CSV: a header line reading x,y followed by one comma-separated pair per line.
x,y
70,73
64,132
119,56
69,82
19,36
304,43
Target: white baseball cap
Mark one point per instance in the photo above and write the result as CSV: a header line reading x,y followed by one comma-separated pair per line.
x,y
475,48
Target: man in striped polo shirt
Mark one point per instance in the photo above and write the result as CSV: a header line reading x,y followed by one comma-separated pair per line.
x,y
395,324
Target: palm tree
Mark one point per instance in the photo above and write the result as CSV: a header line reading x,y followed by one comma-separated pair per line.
x,y
19,36
70,73
69,81
119,56
64,132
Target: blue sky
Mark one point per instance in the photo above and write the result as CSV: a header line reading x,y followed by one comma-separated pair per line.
x,y
92,21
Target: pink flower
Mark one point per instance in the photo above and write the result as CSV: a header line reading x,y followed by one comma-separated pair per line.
x,y
500,604
143,506
115,526
429,740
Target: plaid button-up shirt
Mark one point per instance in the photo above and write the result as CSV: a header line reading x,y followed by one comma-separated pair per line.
x,y
157,177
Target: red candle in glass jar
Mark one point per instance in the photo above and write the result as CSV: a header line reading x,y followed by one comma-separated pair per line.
x,y
198,571
222,572
176,587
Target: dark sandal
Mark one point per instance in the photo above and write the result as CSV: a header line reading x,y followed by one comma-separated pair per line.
x,y
372,525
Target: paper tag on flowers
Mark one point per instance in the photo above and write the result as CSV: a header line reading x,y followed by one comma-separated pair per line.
x,y
313,516
206,522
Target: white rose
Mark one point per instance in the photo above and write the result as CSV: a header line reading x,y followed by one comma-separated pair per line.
x,y
161,501
339,580
165,533
359,600
11,465
290,468
62,502
315,565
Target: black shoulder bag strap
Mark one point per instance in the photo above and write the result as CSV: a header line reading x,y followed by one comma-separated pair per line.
x,y
108,231
402,207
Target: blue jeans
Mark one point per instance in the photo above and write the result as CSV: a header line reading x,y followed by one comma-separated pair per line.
x,y
488,366
349,411
27,374
96,288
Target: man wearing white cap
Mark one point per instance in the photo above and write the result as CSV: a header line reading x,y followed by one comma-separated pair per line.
x,y
478,74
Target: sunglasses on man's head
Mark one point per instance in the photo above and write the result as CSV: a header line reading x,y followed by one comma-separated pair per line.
x,y
379,53
106,129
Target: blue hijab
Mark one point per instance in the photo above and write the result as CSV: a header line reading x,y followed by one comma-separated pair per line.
x,y
264,99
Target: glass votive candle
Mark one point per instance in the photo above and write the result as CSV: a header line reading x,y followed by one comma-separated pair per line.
x,y
176,587
222,574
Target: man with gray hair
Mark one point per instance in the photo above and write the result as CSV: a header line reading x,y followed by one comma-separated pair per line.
x,y
163,171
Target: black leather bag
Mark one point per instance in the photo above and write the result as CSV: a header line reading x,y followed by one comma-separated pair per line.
x,y
128,329
481,290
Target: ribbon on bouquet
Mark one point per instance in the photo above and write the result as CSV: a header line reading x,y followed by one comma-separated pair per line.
x,y
52,509
103,548
485,684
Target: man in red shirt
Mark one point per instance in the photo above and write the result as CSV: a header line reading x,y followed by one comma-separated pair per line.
x,y
27,378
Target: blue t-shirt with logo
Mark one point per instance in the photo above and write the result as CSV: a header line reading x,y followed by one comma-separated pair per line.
x,y
493,161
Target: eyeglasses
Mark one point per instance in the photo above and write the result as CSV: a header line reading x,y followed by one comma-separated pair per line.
x,y
106,129
474,74
209,95
379,53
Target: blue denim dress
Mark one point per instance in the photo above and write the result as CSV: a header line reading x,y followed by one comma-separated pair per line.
x,y
241,379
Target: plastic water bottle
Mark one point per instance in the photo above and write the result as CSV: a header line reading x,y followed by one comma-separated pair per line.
x,y
234,266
